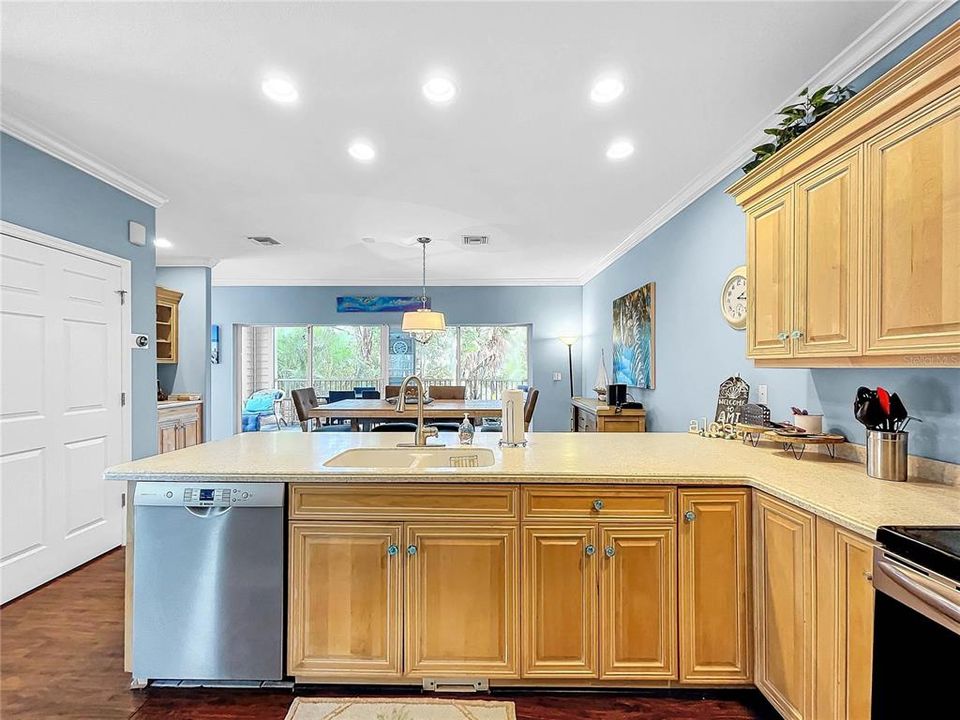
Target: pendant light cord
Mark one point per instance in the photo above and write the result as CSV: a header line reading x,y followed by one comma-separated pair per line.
x,y
423,297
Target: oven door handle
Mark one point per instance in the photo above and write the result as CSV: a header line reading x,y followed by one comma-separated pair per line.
x,y
919,590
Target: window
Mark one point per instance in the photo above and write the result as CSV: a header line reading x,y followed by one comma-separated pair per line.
x,y
347,356
487,359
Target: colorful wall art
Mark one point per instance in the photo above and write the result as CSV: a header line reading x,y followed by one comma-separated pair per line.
x,y
633,337
378,303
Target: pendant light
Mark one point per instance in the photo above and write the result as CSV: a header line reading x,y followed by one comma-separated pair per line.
x,y
423,323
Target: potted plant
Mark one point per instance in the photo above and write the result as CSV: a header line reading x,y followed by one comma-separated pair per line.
x,y
799,118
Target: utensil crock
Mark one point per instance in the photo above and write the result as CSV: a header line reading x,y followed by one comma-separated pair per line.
x,y
887,455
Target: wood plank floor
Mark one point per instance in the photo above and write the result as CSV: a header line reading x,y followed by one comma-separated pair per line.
x,y
61,656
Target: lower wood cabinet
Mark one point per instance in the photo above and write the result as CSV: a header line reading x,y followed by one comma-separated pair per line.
x,y
784,590
844,647
714,586
344,599
179,427
599,600
462,600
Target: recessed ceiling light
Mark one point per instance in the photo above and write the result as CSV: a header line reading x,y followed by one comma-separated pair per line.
x,y
279,89
362,151
162,243
606,89
620,149
439,90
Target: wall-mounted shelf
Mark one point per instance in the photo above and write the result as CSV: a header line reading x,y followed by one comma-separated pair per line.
x,y
168,325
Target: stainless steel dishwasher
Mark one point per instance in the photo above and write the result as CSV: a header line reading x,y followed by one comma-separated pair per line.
x,y
208,583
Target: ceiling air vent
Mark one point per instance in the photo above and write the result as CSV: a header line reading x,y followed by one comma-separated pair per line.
x,y
264,240
470,240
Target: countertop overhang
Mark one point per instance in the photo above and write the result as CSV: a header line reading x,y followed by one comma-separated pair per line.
x,y
837,490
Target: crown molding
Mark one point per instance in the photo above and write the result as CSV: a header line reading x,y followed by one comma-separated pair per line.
x,y
240,281
188,261
899,23
62,149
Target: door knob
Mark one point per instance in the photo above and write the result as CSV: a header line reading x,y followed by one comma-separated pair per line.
x,y
598,504
589,550
392,550
411,549
609,551
689,516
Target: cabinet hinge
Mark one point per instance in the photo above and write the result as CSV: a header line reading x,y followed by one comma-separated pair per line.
x,y
123,296
123,399
123,500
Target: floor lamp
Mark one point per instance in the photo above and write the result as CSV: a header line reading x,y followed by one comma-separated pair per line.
x,y
569,341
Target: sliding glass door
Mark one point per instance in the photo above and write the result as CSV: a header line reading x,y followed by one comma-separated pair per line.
x,y
486,359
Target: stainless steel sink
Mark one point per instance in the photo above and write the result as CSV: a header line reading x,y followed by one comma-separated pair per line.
x,y
408,458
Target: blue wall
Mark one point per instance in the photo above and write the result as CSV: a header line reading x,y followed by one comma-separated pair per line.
x,y
191,374
553,311
689,258
42,193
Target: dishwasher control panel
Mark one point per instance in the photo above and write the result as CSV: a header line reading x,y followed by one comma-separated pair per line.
x,y
209,494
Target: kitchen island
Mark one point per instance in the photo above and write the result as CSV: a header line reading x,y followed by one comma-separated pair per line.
x,y
580,560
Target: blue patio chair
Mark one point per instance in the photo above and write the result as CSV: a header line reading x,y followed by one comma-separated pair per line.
x,y
260,406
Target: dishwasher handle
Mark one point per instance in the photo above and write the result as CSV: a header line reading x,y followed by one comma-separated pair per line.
x,y
207,511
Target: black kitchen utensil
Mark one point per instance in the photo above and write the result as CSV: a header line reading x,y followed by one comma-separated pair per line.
x,y
898,412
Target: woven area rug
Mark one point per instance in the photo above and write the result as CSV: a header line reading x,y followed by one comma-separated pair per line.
x,y
399,709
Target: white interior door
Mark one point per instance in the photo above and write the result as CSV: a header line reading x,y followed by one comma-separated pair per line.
x,y
60,412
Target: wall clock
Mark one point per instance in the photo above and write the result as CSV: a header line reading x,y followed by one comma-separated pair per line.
x,y
733,298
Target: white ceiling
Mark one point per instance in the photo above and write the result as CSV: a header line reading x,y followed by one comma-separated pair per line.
x,y
170,93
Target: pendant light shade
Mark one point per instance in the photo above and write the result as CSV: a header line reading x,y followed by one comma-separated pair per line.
x,y
423,323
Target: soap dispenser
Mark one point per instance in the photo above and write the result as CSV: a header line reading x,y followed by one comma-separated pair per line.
x,y
466,431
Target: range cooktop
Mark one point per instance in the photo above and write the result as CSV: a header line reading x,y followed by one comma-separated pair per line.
x,y
933,548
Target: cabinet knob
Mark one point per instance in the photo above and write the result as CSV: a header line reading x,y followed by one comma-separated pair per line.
x,y
411,549
796,334
689,516
589,550
868,575
782,337
609,551
598,504
392,550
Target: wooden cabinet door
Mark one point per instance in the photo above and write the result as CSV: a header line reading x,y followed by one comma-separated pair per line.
x,y
344,600
784,600
769,276
913,233
191,432
827,268
167,437
844,623
714,584
462,600
638,602
560,601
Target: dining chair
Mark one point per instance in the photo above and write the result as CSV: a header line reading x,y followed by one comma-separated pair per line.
x,y
395,427
336,396
448,392
305,399
358,392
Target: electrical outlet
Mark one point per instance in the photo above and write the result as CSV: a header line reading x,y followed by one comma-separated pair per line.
x,y
762,394
557,377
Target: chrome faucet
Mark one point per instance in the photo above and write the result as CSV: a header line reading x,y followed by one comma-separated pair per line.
x,y
423,433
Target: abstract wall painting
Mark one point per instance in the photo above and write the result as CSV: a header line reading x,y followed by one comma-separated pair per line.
x,y
378,303
634,327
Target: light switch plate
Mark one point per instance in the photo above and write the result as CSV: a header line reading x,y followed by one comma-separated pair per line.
x,y
557,377
762,394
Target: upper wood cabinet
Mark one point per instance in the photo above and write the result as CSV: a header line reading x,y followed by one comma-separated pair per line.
x,y
784,591
826,298
462,595
168,325
853,229
913,215
714,585
770,275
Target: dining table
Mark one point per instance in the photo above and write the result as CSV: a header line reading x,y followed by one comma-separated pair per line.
x,y
367,411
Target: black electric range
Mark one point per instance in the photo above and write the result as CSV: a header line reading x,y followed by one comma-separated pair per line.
x,y
916,650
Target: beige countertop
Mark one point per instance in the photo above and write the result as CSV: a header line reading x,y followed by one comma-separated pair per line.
x,y
838,490
177,403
